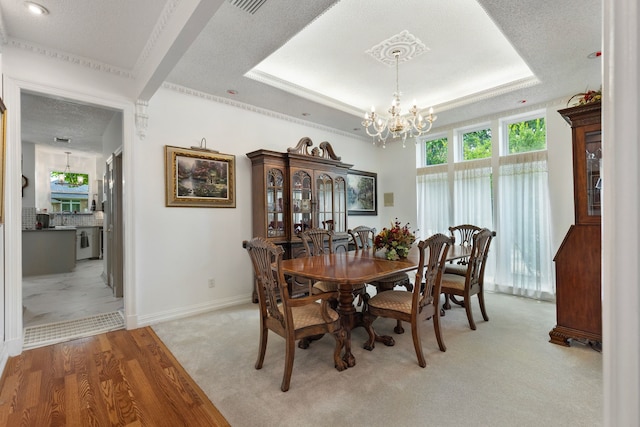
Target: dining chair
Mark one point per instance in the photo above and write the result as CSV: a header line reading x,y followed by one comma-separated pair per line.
x,y
362,237
291,318
418,305
462,235
472,283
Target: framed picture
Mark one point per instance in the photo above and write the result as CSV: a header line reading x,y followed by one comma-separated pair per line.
x,y
362,193
199,178
3,134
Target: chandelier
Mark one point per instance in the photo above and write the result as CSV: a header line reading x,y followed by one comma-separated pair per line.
x,y
67,178
397,126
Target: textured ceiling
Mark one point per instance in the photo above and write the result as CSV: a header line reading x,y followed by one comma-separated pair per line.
x,y
293,58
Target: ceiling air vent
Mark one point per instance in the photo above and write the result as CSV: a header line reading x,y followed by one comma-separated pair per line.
x,y
250,6
63,140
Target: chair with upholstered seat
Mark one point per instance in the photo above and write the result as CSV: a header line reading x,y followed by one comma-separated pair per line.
x,y
291,318
362,237
414,306
472,283
462,235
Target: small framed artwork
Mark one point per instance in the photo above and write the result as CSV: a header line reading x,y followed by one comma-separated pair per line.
x,y
199,178
362,193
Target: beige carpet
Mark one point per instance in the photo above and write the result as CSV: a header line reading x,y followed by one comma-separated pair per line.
x,y
505,373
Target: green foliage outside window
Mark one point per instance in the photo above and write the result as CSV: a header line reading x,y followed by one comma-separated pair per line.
x,y
476,144
436,151
529,135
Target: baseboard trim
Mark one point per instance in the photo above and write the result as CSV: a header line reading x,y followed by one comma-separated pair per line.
x,y
133,322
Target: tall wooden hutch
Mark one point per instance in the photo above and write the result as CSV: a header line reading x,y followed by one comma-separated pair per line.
x,y
578,261
300,189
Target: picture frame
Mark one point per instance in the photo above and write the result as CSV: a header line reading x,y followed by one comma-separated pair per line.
x,y
3,140
199,178
362,193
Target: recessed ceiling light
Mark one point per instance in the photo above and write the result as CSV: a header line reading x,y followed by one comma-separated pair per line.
x,y
36,8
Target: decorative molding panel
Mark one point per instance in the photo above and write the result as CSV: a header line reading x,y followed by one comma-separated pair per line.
x,y
142,118
72,59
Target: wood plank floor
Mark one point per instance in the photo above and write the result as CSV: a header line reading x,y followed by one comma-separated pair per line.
x,y
123,378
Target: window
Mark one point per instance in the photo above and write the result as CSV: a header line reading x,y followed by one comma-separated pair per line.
x,y
71,195
525,135
476,144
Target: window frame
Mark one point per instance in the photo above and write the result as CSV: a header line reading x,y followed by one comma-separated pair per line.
x,y
421,155
504,123
459,133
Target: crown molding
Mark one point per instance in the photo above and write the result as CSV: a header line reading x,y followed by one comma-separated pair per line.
x,y
269,113
70,58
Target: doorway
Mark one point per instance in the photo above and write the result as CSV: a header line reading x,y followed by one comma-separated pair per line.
x,y
91,292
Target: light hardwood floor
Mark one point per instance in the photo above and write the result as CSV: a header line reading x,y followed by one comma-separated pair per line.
x,y
68,296
118,378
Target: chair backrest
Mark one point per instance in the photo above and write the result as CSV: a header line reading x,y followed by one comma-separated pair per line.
x,y
433,255
328,224
270,283
362,236
477,259
321,241
465,233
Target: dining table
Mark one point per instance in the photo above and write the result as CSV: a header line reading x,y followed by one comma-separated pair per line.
x,y
352,268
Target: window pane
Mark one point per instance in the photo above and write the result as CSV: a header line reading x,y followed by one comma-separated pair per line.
x,y
530,135
476,144
436,151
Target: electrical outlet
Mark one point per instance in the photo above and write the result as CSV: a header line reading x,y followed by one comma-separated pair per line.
x,y
212,283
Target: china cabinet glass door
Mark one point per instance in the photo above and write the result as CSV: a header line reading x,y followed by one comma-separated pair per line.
x,y
594,171
340,205
301,201
324,199
275,208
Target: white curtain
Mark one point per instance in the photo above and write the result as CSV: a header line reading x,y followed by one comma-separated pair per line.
x,y
432,185
524,259
472,203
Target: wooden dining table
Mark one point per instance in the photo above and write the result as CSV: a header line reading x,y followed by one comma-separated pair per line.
x,y
349,269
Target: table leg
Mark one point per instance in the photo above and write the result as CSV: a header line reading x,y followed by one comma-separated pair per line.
x,y
347,318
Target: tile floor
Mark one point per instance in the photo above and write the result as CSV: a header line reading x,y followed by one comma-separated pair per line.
x,y
69,296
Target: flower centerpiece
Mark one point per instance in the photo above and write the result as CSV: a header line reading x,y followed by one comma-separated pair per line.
x,y
587,97
397,240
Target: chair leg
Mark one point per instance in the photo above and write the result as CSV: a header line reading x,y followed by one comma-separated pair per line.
x,y
340,336
288,363
415,333
367,321
482,307
436,327
467,308
264,334
398,329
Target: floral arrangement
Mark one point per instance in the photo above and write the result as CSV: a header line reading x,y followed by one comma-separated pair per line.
x,y
587,97
397,240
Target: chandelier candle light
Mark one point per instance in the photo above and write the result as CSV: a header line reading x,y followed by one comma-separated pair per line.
x,y
398,126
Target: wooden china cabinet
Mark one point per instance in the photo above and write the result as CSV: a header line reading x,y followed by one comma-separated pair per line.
x,y
578,261
300,189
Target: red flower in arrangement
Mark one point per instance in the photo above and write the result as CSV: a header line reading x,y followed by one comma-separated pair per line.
x,y
397,240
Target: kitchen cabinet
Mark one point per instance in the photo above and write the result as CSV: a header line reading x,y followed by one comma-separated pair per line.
x,y
579,259
299,189
48,251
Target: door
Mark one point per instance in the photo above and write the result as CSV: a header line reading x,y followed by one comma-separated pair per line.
x,y
114,228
